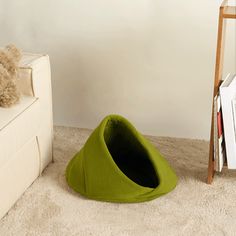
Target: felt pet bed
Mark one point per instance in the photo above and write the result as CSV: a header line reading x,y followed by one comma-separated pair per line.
x,y
118,164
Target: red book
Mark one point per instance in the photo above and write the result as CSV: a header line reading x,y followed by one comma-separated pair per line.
x,y
219,123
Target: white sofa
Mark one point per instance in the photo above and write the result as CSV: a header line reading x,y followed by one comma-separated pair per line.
x,y
26,131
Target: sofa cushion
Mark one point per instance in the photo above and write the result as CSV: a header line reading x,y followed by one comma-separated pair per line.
x,y
18,124
7,115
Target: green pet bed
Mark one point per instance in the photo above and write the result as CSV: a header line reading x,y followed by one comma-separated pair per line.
x,y
118,164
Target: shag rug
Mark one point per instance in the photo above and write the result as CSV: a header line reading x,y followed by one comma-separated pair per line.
x,y
49,207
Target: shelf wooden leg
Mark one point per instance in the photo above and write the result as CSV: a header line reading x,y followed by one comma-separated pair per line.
x,y
211,163
218,76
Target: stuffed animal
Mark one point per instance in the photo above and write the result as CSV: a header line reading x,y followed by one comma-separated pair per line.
x,y
9,59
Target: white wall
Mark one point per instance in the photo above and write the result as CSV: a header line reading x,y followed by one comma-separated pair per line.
x,y
149,60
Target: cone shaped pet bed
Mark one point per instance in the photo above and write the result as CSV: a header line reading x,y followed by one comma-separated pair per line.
x,y
118,164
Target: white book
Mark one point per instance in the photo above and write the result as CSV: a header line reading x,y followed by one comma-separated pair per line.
x,y
216,147
234,115
221,141
227,94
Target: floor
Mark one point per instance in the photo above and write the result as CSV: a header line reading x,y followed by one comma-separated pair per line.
x,y
49,207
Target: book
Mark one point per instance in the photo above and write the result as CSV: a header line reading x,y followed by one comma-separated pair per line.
x,y
234,115
227,95
215,133
219,143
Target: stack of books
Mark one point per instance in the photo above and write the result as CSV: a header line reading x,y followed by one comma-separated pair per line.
x,y
225,124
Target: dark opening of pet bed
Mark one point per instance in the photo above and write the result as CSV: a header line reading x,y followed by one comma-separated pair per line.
x,y
129,154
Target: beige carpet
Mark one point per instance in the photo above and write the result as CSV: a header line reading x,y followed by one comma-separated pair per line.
x,y
49,207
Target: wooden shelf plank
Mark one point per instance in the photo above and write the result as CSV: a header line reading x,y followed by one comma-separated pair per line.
x,y
229,12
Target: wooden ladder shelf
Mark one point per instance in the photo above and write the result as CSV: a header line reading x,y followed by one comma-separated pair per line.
x,y
226,12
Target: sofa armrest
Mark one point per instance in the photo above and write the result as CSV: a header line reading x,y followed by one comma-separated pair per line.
x,y
35,80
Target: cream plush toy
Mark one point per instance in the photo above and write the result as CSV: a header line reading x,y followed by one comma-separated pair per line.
x,y
9,59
